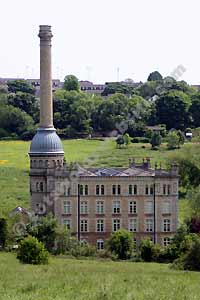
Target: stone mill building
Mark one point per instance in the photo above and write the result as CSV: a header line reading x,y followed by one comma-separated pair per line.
x,y
94,202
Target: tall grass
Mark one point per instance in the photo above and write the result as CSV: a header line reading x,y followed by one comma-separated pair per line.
x,y
67,279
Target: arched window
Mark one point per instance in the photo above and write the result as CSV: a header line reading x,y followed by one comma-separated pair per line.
x,y
118,189
135,189
114,189
40,163
169,189
97,190
81,189
65,190
151,190
130,189
147,190
41,186
37,187
86,189
164,189
102,189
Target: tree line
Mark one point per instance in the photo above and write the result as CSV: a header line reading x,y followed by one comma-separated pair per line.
x,y
122,108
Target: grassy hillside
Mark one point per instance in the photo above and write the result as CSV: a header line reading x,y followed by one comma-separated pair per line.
x,y
14,164
67,279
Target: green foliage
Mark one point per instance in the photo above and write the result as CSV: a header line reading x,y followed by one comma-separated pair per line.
x,y
67,279
156,140
172,109
44,229
154,76
119,87
148,250
25,102
121,244
13,120
127,139
172,140
194,109
3,232
31,251
15,86
190,258
71,83
181,138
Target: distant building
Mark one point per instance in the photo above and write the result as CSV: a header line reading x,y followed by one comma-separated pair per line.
x,y
91,88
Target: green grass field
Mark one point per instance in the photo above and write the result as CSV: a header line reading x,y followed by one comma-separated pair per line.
x,y
70,279
14,165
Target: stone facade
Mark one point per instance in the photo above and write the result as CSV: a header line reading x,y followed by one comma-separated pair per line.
x,y
94,202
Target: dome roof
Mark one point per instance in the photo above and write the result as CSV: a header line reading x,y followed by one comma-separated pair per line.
x,y
46,141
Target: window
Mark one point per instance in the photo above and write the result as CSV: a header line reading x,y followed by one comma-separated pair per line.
x,y
64,190
41,187
37,187
149,225
135,189
116,224
67,207
132,207
146,190
84,207
116,207
164,189
166,207
97,190
148,207
81,189
166,241
118,189
166,225
132,225
100,244
100,207
67,224
100,226
151,190
169,189
58,187
84,225
114,189
86,189
102,189
130,189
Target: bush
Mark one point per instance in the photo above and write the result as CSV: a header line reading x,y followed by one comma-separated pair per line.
x,y
31,251
156,140
3,232
149,251
121,244
190,258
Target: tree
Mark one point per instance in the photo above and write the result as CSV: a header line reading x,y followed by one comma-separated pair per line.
x,y
126,139
194,109
15,121
71,83
172,140
3,232
156,140
121,244
26,102
172,109
149,251
31,251
44,230
15,86
154,76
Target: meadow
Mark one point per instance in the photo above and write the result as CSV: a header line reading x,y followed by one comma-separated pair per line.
x,y
14,165
70,279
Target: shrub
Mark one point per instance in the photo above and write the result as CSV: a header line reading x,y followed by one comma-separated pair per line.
x,y
172,140
31,251
149,251
121,244
156,140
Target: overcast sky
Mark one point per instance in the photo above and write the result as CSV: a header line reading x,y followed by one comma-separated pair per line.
x,y
95,38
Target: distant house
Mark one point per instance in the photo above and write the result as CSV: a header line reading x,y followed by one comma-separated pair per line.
x,y
91,88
